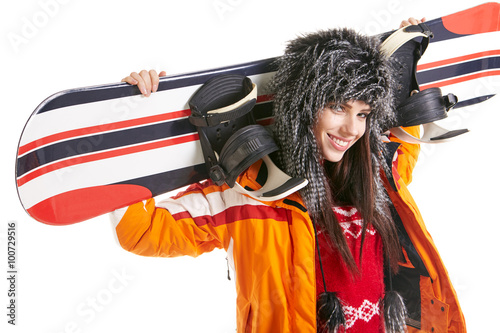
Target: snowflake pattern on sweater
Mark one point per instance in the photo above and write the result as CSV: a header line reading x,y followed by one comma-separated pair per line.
x,y
360,295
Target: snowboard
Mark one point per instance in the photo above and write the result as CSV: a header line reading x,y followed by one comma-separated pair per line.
x,y
88,151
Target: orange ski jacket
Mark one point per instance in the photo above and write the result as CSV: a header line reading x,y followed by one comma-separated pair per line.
x,y
271,246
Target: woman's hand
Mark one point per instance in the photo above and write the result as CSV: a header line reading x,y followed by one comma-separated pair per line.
x,y
411,21
146,81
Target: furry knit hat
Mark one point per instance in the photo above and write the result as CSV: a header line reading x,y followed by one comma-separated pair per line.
x,y
336,65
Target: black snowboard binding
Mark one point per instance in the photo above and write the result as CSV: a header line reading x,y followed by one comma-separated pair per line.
x,y
230,138
415,107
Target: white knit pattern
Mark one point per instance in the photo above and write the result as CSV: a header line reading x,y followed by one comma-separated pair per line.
x,y
344,212
366,311
353,228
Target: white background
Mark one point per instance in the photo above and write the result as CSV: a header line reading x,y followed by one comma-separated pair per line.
x,y
67,275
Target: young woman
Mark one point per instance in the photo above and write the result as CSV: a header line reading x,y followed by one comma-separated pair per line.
x,y
325,259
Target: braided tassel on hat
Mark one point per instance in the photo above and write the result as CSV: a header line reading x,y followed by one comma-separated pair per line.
x,y
330,315
395,313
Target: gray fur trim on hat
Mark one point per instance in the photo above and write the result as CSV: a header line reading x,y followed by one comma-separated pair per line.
x,y
337,66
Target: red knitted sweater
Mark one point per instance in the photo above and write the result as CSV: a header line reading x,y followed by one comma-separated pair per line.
x,y
359,295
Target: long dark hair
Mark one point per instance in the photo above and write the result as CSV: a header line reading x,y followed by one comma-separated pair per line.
x,y
351,181
336,65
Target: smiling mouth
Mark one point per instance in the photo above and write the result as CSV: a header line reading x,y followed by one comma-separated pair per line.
x,y
341,143
338,142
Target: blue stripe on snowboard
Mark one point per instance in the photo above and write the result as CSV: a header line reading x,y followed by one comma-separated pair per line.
x,y
93,94
450,71
168,181
102,141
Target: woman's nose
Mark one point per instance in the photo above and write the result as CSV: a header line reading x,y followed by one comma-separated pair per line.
x,y
351,125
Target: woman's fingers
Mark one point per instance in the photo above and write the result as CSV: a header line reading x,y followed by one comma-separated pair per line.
x,y
155,80
130,80
411,21
146,81
145,85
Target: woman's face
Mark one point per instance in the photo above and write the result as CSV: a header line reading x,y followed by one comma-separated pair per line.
x,y
339,127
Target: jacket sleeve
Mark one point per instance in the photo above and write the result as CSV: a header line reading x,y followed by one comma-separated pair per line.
x,y
407,155
183,225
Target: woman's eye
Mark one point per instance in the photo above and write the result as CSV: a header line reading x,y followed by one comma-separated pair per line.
x,y
336,108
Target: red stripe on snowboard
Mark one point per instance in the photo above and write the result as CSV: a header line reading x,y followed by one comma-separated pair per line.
x,y
450,61
104,155
101,128
76,206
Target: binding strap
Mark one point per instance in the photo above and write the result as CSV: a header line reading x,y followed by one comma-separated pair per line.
x,y
415,107
231,141
220,108
213,103
411,111
246,146
401,36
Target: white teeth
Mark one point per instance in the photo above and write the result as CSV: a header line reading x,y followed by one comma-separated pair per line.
x,y
339,142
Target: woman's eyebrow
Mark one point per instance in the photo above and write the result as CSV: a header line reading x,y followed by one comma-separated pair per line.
x,y
369,109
